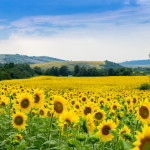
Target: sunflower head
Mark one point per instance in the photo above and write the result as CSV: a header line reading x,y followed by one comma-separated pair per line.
x,y
25,102
38,98
143,139
104,130
19,120
99,115
60,105
18,137
143,112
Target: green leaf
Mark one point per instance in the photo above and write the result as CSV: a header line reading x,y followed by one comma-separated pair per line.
x,y
114,133
21,147
51,143
127,145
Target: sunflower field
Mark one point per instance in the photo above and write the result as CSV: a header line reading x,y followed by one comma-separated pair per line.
x,y
75,113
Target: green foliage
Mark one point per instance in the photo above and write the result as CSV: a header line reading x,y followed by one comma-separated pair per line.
x,y
144,86
15,71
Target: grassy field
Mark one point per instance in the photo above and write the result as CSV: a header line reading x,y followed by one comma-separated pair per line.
x,y
70,64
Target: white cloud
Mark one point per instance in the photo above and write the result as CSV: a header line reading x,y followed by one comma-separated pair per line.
x,y
143,2
72,20
117,45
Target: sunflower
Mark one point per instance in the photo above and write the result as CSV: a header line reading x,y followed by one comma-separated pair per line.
x,y
90,126
83,99
143,112
72,102
102,101
49,113
60,105
34,112
4,101
88,109
77,105
25,102
42,112
68,118
142,139
14,93
18,137
126,130
104,128
19,120
99,115
135,100
38,97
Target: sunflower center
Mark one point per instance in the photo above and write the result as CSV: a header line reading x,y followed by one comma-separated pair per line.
x,y
134,100
73,102
77,107
36,98
114,107
18,120
101,102
58,107
98,116
145,144
18,137
2,104
87,110
14,94
48,114
143,111
25,103
105,130
83,99
123,132
41,112
68,123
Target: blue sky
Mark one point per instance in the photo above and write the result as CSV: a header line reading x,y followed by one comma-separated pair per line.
x,y
115,30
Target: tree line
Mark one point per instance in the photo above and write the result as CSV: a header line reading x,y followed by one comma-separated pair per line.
x,y
21,71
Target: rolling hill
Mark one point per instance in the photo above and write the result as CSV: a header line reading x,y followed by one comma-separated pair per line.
x,y
71,64
7,58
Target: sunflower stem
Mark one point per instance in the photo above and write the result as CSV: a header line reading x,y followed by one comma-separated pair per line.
x,y
50,126
136,127
30,115
93,147
60,138
9,113
102,145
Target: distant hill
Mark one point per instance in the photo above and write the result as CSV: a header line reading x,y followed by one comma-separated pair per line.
x,y
7,58
71,64
136,62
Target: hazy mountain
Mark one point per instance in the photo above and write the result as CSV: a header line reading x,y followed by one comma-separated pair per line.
x,y
7,58
136,62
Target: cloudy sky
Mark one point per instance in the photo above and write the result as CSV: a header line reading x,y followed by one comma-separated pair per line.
x,y
115,30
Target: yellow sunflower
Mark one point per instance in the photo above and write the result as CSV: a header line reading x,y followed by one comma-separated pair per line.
x,y
99,115
19,120
125,129
60,105
104,128
142,139
42,112
38,97
143,112
68,118
88,109
18,137
25,102
90,126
